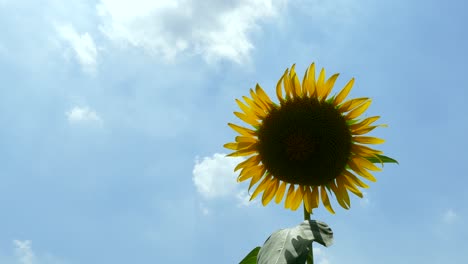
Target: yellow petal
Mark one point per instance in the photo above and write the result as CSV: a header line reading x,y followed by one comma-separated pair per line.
x,y
343,192
354,179
350,186
247,110
261,187
242,130
238,145
242,139
362,162
364,151
259,101
296,88
325,200
308,201
249,119
257,177
364,130
231,145
256,108
279,91
351,104
297,198
270,192
315,197
280,192
311,81
291,75
296,84
361,171
368,140
311,198
244,152
364,122
320,83
249,172
288,85
344,92
262,95
244,146
339,197
355,191
329,86
252,161
289,196
305,84
358,110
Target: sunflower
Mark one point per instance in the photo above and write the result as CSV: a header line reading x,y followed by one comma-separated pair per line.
x,y
309,145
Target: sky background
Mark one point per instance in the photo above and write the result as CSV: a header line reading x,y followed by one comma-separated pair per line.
x,y
113,115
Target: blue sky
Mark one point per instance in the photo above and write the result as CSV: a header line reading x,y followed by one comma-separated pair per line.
x,y
114,115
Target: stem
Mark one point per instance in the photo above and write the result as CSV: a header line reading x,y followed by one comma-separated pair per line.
x,y
310,256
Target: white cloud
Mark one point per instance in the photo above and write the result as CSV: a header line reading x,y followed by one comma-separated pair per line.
x,y
82,45
364,201
214,29
205,210
214,176
320,257
82,114
449,216
243,198
23,252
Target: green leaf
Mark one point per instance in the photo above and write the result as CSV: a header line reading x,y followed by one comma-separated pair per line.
x,y
251,258
382,159
292,245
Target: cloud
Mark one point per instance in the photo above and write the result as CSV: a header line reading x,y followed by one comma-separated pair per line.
x,y
205,210
214,177
82,45
449,216
82,114
364,201
320,257
24,252
243,198
215,29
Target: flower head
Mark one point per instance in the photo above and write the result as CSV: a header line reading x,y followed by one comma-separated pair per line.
x,y
308,145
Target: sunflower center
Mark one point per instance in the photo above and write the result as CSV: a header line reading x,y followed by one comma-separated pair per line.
x,y
298,146
304,141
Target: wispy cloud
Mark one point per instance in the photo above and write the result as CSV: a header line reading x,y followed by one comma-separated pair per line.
x,y
214,176
82,45
204,209
243,198
214,29
23,252
364,201
449,216
82,114
320,256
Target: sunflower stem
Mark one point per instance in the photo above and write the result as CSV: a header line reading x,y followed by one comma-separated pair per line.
x,y
310,256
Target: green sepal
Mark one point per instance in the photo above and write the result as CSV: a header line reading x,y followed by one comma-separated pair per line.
x,y
251,258
381,159
352,121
